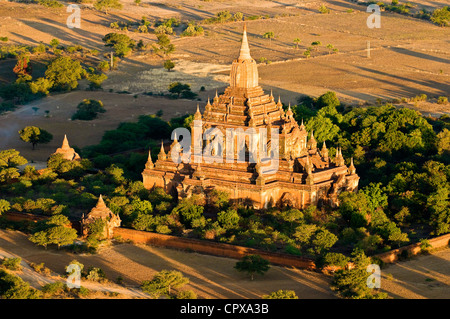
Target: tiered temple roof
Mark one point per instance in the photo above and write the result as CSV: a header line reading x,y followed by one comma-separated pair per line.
x,y
304,175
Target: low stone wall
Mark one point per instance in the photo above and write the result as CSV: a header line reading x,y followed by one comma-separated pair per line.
x,y
18,217
232,251
414,249
211,248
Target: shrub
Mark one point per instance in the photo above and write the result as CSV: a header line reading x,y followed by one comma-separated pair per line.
x,y
121,43
96,274
441,17
192,30
323,9
54,288
6,106
186,294
442,100
103,66
12,263
281,294
88,110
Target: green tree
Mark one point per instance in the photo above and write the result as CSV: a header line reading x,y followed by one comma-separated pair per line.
x,y
281,294
316,45
443,142
186,294
188,211
375,196
169,65
54,43
297,41
4,206
121,43
64,73
269,35
229,218
441,17
56,230
88,109
41,86
35,135
95,80
163,282
354,208
164,45
351,283
9,160
323,240
179,88
106,5
238,16
253,264
330,48
13,287
328,99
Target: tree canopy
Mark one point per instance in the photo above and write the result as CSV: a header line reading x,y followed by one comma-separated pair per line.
x,y
35,135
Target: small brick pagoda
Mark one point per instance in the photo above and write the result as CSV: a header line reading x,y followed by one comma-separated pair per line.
x,y
306,174
67,152
100,211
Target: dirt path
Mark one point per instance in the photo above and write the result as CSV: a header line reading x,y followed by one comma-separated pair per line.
x,y
210,277
37,280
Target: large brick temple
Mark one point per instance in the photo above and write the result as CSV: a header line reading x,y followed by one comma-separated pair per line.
x,y
304,174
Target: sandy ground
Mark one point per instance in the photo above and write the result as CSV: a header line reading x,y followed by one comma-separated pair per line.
x,y
119,108
425,276
409,57
210,277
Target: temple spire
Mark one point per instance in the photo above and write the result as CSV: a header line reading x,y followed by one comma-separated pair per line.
x,y
162,154
351,168
100,203
198,115
149,164
65,143
244,53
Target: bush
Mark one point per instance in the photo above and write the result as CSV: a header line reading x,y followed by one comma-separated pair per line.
x,y
192,30
323,9
96,274
441,17
88,110
12,263
442,100
54,288
121,43
186,294
6,106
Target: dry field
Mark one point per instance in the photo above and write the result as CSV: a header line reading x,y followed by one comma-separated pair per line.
x,y
210,277
409,57
214,277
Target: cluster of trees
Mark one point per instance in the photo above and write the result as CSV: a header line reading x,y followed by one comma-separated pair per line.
x,y
439,16
163,283
61,74
88,109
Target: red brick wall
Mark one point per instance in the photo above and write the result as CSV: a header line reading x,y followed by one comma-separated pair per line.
x,y
211,248
414,249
